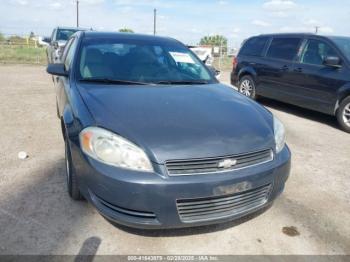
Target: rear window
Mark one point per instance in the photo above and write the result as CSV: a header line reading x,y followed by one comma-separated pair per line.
x,y
254,46
284,48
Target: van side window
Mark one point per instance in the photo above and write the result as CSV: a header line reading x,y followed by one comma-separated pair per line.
x,y
284,48
254,46
315,52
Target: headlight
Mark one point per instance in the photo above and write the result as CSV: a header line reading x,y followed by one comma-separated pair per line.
x,y
280,134
114,150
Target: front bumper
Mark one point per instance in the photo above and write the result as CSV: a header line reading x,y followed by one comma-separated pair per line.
x,y
149,200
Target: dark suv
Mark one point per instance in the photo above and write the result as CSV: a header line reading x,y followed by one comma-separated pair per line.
x,y
306,70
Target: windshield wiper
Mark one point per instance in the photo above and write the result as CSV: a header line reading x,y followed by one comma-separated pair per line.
x,y
127,82
182,82
112,81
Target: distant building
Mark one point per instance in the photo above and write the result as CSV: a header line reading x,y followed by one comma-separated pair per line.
x,y
204,53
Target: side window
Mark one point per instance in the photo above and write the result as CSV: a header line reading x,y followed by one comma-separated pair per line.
x,y
315,52
254,46
66,48
69,52
284,48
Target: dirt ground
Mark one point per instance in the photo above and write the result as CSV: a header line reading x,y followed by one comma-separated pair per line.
x,y
38,217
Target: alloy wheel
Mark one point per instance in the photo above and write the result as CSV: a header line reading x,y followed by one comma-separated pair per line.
x,y
246,88
346,115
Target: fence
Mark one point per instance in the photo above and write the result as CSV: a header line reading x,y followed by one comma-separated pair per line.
x,y
22,49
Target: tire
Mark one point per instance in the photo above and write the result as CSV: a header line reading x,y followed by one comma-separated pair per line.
x,y
247,87
343,114
72,182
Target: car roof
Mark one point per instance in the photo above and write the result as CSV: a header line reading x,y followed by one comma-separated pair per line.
x,y
71,28
296,35
144,37
290,34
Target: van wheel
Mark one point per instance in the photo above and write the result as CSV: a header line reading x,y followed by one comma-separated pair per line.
x,y
343,114
72,183
247,87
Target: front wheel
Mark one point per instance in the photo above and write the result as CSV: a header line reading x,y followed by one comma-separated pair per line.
x,y
247,87
72,182
343,114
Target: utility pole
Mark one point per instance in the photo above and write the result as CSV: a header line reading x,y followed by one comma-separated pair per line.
x,y
316,29
220,59
77,13
155,21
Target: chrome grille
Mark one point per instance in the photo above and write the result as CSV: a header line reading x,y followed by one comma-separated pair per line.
x,y
211,165
204,209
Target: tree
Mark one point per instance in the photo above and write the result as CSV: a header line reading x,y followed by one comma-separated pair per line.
x,y
215,40
126,30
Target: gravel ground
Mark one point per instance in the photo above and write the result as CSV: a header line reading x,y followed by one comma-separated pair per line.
x,y
37,216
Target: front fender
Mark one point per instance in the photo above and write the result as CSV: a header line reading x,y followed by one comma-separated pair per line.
x,y
342,93
68,121
76,115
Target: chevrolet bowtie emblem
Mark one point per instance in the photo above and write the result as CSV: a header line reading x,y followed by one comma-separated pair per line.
x,y
227,163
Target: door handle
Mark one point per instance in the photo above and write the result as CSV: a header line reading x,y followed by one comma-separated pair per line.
x,y
284,68
298,70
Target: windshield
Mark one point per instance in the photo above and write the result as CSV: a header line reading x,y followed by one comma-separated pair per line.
x,y
65,34
143,61
343,44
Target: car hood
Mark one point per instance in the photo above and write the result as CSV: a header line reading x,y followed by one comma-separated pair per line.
x,y
181,122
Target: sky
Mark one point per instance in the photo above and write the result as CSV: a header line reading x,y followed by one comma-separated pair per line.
x,y
185,20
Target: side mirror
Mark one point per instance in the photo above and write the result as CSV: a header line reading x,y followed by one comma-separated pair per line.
x,y
55,45
46,40
332,61
57,70
214,71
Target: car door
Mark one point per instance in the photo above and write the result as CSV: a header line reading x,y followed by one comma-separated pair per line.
x,y
275,77
63,83
316,84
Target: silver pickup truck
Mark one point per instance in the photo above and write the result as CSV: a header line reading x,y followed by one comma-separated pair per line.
x,y
57,42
